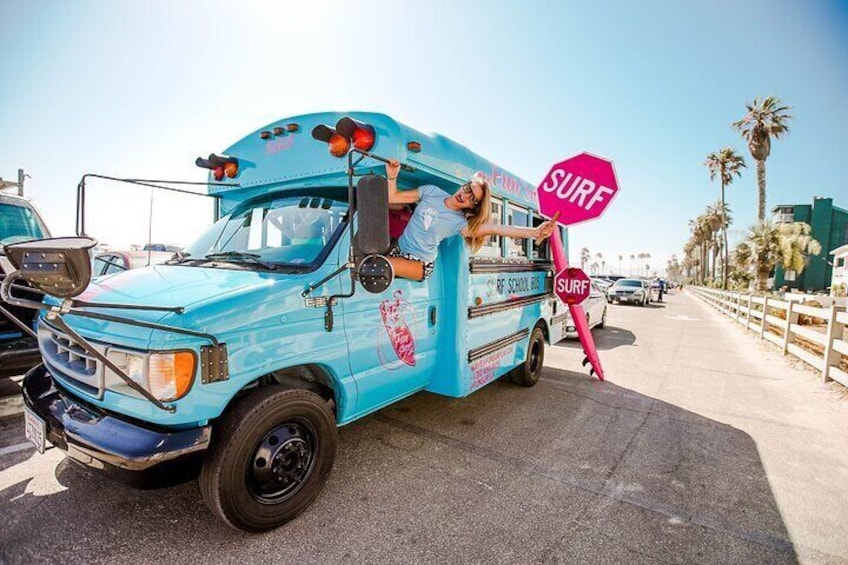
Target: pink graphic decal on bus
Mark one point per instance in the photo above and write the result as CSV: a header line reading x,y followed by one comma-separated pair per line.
x,y
394,313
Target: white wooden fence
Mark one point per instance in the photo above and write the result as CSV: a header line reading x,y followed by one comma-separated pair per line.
x,y
760,315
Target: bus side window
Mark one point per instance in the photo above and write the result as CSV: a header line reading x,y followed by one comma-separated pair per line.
x,y
541,251
516,216
492,247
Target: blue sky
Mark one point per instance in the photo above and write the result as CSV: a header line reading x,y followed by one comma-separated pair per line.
x,y
139,89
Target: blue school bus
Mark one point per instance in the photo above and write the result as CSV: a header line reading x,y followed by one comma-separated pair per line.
x,y
239,358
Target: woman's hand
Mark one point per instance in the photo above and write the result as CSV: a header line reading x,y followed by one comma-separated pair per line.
x,y
392,169
545,230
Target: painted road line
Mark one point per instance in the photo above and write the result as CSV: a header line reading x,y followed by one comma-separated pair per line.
x,y
11,406
16,448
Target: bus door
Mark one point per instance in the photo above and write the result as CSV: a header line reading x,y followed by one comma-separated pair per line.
x,y
392,339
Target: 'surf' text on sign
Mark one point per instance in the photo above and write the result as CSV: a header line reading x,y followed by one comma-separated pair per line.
x,y
575,189
572,286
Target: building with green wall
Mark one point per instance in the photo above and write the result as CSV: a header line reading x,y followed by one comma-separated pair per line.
x,y
830,229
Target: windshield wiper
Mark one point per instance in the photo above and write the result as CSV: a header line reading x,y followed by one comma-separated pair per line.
x,y
180,257
241,257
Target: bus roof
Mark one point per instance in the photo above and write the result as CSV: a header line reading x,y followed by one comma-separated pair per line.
x,y
296,159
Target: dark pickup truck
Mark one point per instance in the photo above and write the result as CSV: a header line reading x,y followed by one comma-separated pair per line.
x,y
19,221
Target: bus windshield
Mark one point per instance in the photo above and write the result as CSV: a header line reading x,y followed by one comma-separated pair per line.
x,y
19,223
290,230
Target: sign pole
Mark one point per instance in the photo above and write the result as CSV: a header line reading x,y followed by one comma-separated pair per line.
x,y
578,316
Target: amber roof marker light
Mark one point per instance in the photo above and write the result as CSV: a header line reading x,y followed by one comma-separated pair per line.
x,y
339,144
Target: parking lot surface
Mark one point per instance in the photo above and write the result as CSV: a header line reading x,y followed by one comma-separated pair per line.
x,y
703,446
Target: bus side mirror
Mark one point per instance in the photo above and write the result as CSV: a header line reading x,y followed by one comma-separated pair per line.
x,y
59,267
372,207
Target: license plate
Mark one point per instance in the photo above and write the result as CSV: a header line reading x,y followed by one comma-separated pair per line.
x,y
35,429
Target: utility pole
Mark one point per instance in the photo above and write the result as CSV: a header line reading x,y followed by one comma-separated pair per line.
x,y
19,184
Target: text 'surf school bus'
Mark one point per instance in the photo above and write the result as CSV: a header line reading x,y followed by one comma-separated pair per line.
x,y
286,323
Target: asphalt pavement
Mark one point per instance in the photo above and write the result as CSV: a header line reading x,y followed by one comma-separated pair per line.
x,y
703,446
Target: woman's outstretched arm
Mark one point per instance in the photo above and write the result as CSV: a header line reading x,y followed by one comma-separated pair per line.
x,y
539,233
399,196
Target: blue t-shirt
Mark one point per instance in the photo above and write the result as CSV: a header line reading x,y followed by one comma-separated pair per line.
x,y
431,222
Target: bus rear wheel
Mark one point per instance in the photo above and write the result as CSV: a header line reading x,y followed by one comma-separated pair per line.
x,y
274,452
528,373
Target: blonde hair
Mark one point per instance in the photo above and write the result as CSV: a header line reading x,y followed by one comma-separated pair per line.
x,y
481,214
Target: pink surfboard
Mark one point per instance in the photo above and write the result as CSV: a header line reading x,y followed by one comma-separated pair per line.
x,y
577,315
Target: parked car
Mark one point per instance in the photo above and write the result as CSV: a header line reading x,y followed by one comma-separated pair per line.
x,y
109,262
630,290
163,247
19,221
602,284
596,312
655,287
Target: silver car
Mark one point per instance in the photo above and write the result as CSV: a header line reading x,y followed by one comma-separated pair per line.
x,y
630,290
595,308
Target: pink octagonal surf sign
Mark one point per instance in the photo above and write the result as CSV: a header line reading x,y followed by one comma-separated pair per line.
x,y
579,188
572,285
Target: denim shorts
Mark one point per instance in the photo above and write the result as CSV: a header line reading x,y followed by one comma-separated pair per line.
x,y
428,266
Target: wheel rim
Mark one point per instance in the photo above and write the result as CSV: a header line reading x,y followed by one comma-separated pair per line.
x,y
535,357
281,462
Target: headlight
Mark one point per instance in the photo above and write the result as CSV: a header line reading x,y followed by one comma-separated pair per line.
x,y
167,376
134,368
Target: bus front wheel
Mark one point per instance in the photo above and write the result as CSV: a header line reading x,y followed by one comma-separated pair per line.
x,y
528,373
272,456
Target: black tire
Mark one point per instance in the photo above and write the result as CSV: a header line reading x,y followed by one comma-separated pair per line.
x,y
603,321
294,431
528,373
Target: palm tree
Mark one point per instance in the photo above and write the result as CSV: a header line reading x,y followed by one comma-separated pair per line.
x,y
702,239
789,244
796,245
705,226
620,257
599,256
632,257
689,256
584,257
724,163
766,118
742,256
718,218
673,269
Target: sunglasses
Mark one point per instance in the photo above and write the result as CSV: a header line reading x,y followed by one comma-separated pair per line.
x,y
466,188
